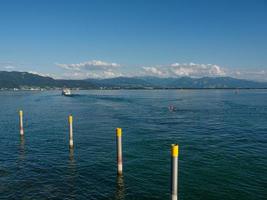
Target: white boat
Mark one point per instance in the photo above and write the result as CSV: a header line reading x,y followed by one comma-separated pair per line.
x,y
66,92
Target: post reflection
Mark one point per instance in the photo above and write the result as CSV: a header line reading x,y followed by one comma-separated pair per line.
x,y
71,155
22,148
120,190
72,176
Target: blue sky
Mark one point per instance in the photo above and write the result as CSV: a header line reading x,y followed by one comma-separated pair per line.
x,y
102,38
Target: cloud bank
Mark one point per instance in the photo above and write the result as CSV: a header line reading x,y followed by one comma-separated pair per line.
x,y
103,69
190,69
258,75
89,65
90,69
7,66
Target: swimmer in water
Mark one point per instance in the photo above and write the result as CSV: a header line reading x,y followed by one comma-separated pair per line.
x,y
172,108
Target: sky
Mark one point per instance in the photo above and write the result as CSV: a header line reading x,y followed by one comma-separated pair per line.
x,y
79,39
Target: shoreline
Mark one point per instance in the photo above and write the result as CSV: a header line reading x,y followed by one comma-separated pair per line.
x,y
78,89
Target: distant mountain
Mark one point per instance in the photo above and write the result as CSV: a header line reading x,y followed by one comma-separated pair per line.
x,y
122,82
24,80
9,80
183,82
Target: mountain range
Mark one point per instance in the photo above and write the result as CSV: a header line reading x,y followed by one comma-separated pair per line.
x,y
10,80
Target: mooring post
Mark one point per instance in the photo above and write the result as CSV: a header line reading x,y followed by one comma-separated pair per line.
x,y
119,150
174,171
71,131
21,122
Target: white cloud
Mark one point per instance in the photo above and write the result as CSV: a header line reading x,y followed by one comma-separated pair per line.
x,y
258,74
203,70
185,69
9,67
90,69
89,65
79,75
41,74
155,71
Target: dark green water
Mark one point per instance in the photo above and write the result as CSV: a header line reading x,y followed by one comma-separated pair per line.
x,y
222,137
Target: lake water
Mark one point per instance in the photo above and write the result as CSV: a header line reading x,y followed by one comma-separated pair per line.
x,y
222,137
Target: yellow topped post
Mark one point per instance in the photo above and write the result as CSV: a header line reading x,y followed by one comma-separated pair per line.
x,y
119,150
175,150
119,132
70,131
70,119
21,122
174,186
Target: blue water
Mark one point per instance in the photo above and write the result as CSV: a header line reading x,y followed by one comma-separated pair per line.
x,y
222,137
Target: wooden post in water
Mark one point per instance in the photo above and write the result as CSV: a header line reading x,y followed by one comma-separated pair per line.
x,y
174,171
119,150
71,131
21,122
